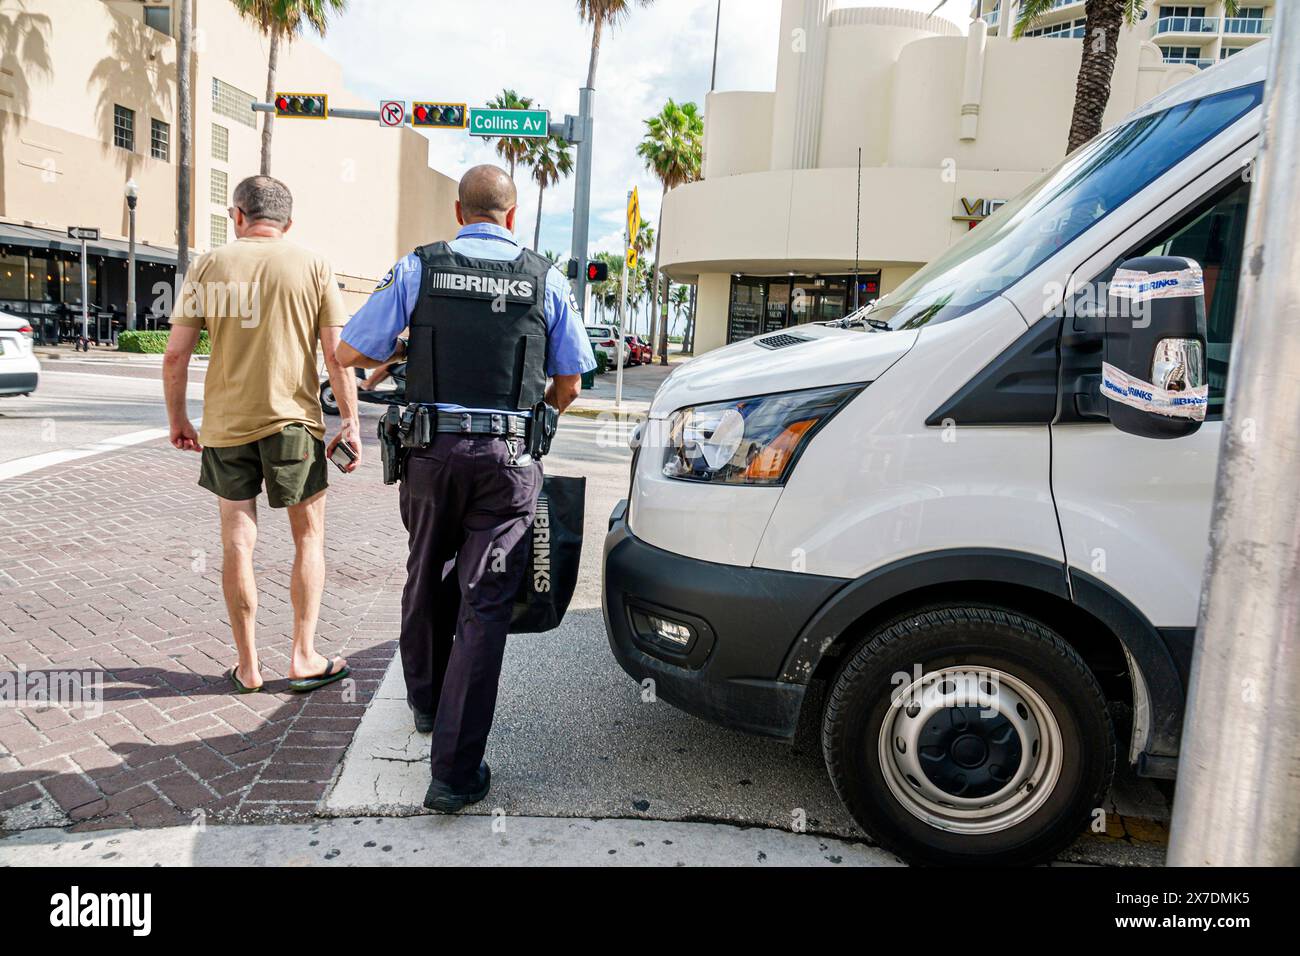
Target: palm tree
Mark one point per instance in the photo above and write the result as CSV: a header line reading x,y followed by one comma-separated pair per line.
x,y
550,157
605,294
599,13
1103,19
185,136
673,148
277,19
513,149
681,301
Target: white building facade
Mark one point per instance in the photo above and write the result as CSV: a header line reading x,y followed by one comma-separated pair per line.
x,y
784,228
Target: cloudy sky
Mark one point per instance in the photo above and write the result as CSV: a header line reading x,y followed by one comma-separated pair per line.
x,y
469,50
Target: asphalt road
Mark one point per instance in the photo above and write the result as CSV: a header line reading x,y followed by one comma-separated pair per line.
x,y
573,735
82,402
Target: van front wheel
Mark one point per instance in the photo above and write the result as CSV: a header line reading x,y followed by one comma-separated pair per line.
x,y
968,735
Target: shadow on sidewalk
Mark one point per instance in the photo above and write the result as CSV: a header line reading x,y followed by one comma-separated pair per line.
x,y
214,755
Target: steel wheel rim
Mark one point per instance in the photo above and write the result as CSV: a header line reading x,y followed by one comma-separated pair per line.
x,y
922,780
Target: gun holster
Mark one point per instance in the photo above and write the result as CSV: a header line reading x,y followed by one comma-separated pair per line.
x,y
541,429
391,451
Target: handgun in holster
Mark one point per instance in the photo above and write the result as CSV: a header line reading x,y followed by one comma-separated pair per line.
x,y
541,429
390,445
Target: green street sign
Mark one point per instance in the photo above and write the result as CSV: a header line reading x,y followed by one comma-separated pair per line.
x,y
485,122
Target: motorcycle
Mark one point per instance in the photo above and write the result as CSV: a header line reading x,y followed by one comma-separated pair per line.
x,y
385,394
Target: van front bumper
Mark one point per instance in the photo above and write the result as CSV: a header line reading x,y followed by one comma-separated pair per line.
x,y
742,623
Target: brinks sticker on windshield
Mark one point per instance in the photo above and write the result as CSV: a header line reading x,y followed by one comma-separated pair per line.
x,y
1119,386
1144,286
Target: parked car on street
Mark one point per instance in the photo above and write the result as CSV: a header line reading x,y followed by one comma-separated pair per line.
x,y
20,369
639,350
943,528
604,337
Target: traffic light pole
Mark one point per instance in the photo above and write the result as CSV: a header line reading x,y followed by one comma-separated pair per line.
x,y
1238,803
582,191
622,323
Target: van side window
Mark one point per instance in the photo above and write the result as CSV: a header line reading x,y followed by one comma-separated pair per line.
x,y
1213,234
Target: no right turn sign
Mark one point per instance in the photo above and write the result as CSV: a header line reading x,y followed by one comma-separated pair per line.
x,y
392,112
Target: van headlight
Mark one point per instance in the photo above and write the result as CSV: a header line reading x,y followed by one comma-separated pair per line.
x,y
750,441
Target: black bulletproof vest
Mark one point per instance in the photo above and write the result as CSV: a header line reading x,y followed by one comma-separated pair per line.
x,y
478,332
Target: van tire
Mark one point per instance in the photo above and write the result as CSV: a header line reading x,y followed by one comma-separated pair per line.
x,y
328,405
969,639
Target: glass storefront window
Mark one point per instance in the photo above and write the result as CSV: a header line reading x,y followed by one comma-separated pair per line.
x,y
42,279
747,305
13,277
778,306
767,304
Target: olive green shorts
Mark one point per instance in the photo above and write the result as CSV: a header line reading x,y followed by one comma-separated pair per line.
x,y
291,461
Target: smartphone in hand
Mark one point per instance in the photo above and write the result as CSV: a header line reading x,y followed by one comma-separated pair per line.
x,y
343,455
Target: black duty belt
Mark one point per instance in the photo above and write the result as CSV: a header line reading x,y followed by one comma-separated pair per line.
x,y
404,427
481,423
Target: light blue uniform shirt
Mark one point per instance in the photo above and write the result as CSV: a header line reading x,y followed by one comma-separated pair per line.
x,y
373,331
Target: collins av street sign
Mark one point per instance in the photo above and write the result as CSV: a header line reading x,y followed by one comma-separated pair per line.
x,y
486,122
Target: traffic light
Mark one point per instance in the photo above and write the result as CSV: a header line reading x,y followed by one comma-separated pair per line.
x,y
438,115
596,271
302,105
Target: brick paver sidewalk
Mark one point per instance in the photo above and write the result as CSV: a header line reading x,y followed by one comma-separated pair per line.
x,y
112,565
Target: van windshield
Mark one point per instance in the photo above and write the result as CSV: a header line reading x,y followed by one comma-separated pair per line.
x,y
1090,183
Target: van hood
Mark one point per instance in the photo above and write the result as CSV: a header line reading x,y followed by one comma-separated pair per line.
x,y
808,356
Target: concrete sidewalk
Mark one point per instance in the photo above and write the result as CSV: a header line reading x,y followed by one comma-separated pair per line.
x,y
440,841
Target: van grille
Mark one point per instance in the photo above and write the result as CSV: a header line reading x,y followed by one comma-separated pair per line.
x,y
781,340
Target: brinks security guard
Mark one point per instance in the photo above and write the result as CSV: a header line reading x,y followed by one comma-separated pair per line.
x,y
489,323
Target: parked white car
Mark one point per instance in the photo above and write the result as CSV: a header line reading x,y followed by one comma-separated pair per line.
x,y
604,337
963,530
20,370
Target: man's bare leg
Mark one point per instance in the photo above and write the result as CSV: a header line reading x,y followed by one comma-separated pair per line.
x,y
307,522
238,538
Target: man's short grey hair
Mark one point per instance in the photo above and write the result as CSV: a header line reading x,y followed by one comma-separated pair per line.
x,y
264,198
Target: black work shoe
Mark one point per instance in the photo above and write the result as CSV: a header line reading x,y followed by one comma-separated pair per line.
x,y
423,722
443,799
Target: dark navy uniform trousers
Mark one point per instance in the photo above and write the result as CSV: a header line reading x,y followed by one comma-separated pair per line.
x,y
468,510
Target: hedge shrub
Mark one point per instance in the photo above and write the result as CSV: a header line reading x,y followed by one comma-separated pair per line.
x,y
155,343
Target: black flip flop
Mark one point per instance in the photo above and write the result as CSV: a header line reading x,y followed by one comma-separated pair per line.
x,y
305,685
240,688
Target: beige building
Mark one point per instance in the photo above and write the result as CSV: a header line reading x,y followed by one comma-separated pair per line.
x,y
88,101
948,126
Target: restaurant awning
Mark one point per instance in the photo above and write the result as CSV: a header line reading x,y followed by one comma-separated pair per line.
x,y
36,237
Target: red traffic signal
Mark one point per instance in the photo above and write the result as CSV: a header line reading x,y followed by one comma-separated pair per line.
x,y
302,105
438,115
596,271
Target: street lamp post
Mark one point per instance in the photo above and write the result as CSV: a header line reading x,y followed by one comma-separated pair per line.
x,y
1238,803
132,194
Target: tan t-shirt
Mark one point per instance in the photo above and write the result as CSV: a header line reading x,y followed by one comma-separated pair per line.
x,y
263,302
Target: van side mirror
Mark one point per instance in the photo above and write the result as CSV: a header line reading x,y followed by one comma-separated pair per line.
x,y
1153,370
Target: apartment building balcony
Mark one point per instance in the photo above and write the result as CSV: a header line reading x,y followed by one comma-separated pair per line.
x,y
1185,26
1247,26
1201,63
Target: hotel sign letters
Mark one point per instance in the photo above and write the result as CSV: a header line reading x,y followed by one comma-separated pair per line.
x,y
975,211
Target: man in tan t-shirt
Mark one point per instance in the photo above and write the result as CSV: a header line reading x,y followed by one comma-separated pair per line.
x,y
265,304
